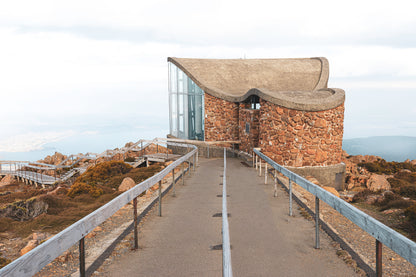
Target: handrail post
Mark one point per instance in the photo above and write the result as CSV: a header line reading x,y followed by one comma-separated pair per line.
x,y
275,183
160,198
194,162
253,160
290,197
173,183
379,258
82,257
260,168
317,222
265,174
136,239
183,174
256,162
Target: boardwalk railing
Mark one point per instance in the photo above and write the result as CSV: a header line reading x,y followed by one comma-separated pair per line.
x,y
16,168
35,260
226,249
383,234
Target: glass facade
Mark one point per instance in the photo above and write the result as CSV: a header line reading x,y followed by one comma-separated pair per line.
x,y
186,106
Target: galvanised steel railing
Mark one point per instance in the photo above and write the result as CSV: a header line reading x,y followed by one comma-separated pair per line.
x,y
33,261
383,234
227,270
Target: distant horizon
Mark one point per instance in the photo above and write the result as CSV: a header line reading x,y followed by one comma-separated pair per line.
x,y
85,144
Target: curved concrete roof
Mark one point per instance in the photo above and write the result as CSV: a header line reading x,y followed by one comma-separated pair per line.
x,y
299,84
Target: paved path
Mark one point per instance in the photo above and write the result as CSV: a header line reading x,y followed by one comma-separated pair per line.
x,y
265,240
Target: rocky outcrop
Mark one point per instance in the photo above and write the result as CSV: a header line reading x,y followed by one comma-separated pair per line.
x,y
25,209
364,158
55,159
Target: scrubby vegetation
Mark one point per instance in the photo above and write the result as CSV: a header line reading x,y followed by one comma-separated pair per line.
x,y
97,186
107,176
383,167
130,159
410,224
393,201
3,261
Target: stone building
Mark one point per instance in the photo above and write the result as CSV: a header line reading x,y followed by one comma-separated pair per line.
x,y
283,106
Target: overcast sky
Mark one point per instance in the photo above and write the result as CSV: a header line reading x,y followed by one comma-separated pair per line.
x,y
73,68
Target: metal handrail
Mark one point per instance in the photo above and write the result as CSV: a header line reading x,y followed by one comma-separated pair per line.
x,y
227,270
35,260
403,246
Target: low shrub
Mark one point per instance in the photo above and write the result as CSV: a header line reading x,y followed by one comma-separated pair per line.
x,y
410,221
408,191
362,195
81,187
130,159
393,201
4,261
383,167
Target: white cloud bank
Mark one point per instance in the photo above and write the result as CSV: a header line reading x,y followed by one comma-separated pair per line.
x,y
31,141
66,64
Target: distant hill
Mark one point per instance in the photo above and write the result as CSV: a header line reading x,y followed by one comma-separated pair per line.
x,y
390,148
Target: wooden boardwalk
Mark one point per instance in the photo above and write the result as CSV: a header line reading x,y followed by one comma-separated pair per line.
x,y
16,168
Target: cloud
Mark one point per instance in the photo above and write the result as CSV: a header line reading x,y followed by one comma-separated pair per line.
x,y
84,65
31,141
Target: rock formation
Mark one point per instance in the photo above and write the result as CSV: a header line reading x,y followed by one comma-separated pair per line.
x,y
25,209
54,159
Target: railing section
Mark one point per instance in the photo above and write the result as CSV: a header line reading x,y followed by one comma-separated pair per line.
x,y
226,249
383,234
35,260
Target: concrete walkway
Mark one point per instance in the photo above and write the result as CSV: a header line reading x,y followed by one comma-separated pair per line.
x,y
265,240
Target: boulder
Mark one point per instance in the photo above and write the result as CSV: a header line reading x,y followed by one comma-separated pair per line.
x,y
312,180
39,237
331,190
127,184
378,182
373,199
29,246
7,180
25,209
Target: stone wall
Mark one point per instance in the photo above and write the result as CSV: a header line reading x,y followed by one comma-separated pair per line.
x,y
221,119
301,138
251,139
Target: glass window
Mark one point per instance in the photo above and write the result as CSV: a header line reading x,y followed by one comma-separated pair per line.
x,y
186,109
